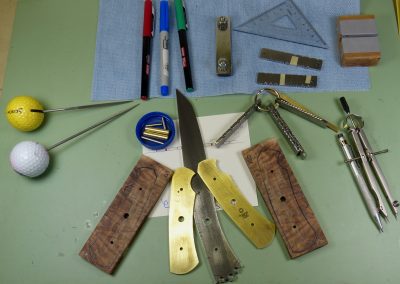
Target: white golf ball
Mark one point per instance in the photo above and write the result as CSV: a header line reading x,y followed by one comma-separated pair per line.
x,y
29,158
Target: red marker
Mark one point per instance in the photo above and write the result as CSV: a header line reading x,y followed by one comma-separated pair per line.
x,y
148,31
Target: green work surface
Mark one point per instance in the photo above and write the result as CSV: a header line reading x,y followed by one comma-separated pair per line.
x,y
44,222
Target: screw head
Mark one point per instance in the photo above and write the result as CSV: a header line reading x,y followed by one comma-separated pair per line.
x,y
222,23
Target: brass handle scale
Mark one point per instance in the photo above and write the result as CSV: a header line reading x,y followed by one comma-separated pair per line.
x,y
257,228
182,250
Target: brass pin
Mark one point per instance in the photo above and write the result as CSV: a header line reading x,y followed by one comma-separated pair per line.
x,y
153,125
156,130
152,140
155,135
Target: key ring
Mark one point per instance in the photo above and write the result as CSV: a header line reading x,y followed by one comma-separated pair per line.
x,y
257,101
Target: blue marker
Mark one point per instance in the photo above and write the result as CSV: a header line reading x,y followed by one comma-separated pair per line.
x,y
164,27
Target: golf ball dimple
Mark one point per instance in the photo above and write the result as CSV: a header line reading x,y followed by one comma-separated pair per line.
x,y
20,116
29,158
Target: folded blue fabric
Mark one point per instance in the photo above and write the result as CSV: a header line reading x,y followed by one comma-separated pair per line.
x,y
117,70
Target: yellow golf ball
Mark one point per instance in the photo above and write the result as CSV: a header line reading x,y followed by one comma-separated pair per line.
x,y
20,116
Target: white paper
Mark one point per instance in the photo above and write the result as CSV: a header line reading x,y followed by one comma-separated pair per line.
x,y
229,157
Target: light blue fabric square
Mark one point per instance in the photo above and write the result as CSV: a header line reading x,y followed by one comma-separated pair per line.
x,y
117,70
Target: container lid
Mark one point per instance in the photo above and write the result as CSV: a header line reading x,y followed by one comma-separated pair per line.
x,y
154,119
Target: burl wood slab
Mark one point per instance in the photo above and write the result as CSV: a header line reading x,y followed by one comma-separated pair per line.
x,y
284,198
126,214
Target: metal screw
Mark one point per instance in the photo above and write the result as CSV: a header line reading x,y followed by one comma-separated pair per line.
x,y
222,64
222,23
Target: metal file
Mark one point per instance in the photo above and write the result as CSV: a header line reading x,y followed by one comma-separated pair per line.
x,y
291,59
289,80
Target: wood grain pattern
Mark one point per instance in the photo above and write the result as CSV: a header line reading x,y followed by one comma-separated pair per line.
x,y
284,198
356,17
359,58
126,214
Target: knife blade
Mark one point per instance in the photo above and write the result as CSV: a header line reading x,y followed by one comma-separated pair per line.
x,y
223,262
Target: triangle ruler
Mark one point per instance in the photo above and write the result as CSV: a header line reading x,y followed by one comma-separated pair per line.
x,y
271,24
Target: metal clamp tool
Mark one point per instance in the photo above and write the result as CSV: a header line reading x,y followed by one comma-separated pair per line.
x,y
272,108
223,46
291,105
366,156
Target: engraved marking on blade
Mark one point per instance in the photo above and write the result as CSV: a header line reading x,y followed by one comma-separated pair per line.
x,y
257,228
182,251
289,80
290,59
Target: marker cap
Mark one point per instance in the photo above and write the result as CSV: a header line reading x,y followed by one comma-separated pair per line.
x,y
164,90
155,118
164,16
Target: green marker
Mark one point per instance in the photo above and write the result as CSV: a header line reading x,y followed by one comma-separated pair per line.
x,y
181,21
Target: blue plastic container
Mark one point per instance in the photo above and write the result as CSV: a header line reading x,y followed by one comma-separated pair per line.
x,y
154,118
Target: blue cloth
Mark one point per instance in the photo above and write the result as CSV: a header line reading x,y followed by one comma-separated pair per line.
x,y
117,70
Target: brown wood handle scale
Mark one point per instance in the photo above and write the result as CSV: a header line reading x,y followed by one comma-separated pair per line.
x,y
126,214
284,198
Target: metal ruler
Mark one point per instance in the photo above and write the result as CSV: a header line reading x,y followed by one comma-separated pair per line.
x,y
267,25
289,80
